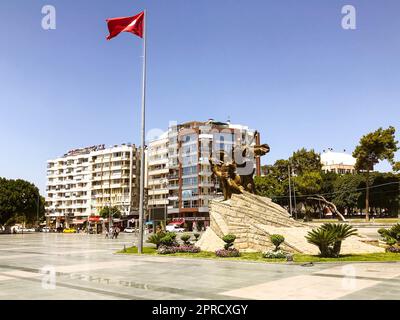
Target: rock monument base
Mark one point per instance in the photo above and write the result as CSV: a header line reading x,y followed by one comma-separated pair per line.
x,y
253,219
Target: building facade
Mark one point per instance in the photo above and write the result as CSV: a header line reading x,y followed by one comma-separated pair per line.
x,y
157,178
83,181
190,183
338,162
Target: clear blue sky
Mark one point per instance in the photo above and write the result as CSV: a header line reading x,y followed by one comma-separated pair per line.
x,y
286,68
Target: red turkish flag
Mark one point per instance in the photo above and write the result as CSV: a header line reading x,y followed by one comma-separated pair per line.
x,y
126,24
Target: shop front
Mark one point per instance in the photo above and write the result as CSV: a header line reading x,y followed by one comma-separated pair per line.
x,y
95,224
194,224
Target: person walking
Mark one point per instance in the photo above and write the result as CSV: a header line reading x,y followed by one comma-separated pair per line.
x,y
117,231
111,232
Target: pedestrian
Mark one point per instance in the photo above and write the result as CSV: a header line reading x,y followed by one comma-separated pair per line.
x,y
106,236
117,230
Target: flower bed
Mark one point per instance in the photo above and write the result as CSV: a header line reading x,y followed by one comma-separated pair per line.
x,y
393,249
279,254
225,253
178,249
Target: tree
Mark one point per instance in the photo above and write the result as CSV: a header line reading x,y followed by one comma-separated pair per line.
x,y
374,147
308,183
106,212
19,201
303,161
385,193
348,193
328,184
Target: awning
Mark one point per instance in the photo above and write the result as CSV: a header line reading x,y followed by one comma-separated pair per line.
x,y
76,221
178,221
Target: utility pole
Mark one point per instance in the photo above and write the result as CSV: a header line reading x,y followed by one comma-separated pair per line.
x,y
290,192
37,209
294,198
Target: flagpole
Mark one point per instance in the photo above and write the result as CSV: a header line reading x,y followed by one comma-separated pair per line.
x,y
142,158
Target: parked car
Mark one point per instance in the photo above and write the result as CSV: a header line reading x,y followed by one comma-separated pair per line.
x,y
45,229
130,230
69,230
174,228
28,229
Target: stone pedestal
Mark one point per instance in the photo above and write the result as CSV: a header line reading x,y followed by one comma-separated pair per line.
x,y
253,219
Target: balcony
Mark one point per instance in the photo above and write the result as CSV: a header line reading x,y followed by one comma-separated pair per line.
x,y
204,160
158,192
157,202
173,210
158,172
206,184
205,173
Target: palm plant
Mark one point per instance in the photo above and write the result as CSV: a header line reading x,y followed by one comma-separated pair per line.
x,y
341,231
328,238
185,238
323,239
156,238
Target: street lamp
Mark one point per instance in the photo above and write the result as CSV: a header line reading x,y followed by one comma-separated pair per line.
x,y
109,216
165,185
37,209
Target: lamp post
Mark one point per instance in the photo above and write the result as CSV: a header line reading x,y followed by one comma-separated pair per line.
x,y
37,209
109,216
290,192
165,185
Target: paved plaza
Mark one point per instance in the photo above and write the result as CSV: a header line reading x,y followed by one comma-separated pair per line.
x,y
86,267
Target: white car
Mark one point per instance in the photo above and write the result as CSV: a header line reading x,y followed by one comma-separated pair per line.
x,y
45,229
129,230
174,228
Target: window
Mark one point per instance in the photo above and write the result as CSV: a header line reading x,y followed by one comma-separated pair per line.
x,y
189,170
189,181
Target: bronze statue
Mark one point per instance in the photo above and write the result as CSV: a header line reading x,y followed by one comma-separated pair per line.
x,y
229,180
233,177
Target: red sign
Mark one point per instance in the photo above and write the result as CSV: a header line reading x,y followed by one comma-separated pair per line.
x,y
94,218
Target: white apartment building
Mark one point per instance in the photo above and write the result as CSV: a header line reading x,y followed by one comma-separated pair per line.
x,y
68,188
338,162
83,181
157,177
179,176
114,178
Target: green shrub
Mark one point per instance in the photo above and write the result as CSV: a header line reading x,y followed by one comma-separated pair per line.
x,y
328,238
156,238
390,241
196,236
169,239
185,238
391,235
277,239
228,239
